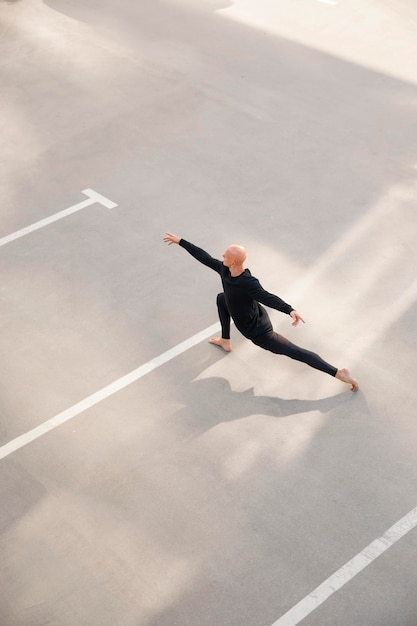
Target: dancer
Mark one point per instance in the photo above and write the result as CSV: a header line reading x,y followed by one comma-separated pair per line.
x,y
242,299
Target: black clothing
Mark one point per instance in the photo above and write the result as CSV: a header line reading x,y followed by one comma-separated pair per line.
x,y
241,301
275,343
242,294
280,345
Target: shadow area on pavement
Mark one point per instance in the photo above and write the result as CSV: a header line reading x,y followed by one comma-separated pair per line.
x,y
211,401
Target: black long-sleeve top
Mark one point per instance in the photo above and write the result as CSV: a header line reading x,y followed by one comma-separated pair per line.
x,y
244,295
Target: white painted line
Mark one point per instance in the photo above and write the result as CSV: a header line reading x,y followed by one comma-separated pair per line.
x,y
348,571
93,197
105,392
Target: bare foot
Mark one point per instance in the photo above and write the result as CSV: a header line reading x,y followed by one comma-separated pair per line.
x,y
345,377
226,344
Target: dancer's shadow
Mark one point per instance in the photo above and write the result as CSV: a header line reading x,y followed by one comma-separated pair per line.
x,y
211,401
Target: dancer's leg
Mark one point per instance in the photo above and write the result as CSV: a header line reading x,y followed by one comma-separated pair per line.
x,y
280,345
224,316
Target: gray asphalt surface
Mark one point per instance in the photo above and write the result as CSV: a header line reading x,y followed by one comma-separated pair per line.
x,y
217,489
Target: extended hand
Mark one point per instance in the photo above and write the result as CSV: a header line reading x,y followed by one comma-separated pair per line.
x,y
297,318
171,238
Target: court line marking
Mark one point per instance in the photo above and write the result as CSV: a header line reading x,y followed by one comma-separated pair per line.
x,y
105,392
93,197
349,570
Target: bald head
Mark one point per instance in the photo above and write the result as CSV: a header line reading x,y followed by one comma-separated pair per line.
x,y
233,258
238,253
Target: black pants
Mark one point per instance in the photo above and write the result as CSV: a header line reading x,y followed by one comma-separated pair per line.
x,y
275,343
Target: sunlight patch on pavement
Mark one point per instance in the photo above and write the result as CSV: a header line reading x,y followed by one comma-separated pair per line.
x,y
380,38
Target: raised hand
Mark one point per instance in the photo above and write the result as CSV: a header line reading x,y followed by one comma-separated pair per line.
x,y
170,238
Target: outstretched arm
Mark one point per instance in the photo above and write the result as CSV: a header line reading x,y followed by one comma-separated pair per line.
x,y
275,302
198,253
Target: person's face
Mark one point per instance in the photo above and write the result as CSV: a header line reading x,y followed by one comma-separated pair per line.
x,y
227,258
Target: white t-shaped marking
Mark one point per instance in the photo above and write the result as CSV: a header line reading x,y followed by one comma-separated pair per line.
x,y
93,197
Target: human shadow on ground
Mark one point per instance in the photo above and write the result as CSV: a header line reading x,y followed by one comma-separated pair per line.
x,y
212,401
